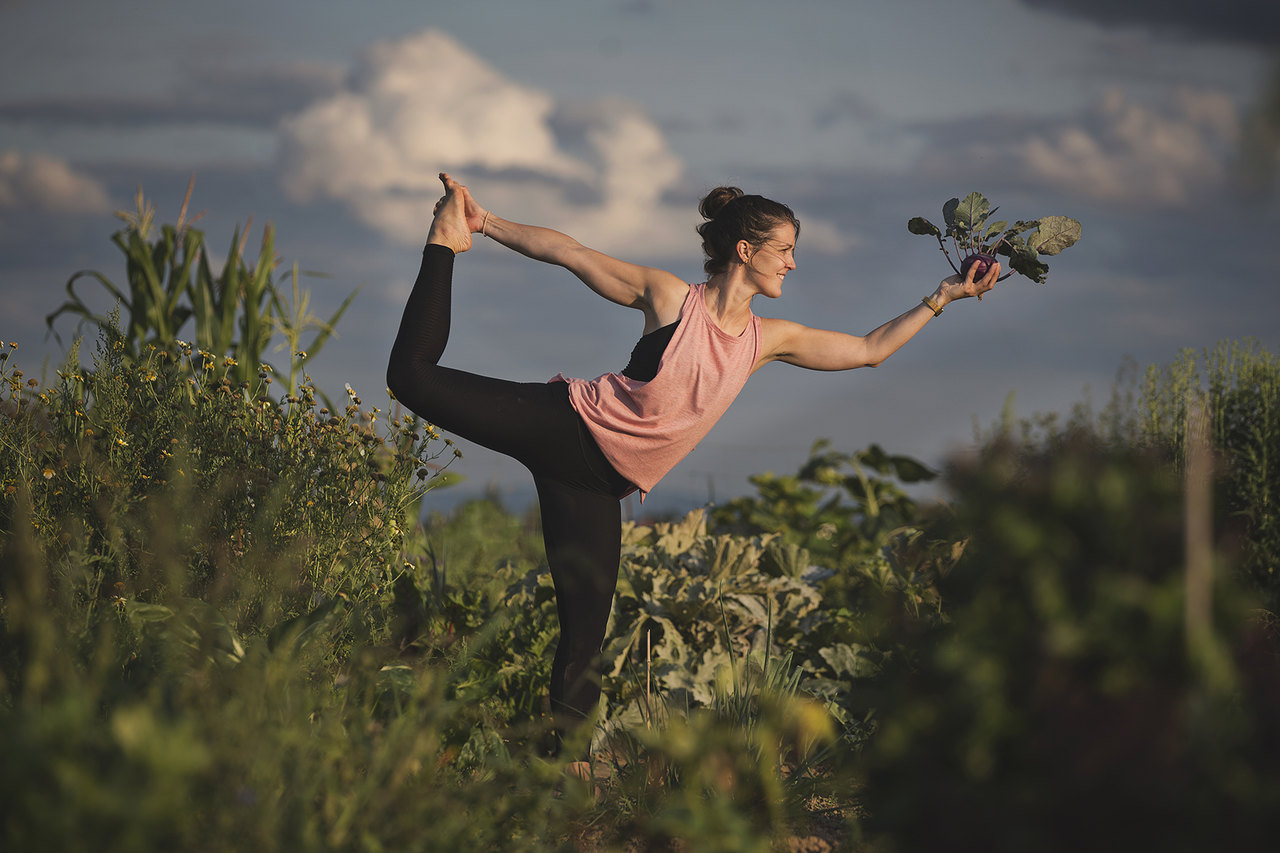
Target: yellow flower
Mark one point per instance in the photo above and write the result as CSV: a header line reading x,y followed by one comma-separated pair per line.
x,y
48,473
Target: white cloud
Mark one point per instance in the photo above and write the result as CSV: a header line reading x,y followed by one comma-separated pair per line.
x,y
1120,151
600,170
1129,152
424,104
40,183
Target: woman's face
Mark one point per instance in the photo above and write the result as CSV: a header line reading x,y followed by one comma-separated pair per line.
x,y
773,259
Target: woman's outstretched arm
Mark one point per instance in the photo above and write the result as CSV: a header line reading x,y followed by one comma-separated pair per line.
x,y
648,289
819,349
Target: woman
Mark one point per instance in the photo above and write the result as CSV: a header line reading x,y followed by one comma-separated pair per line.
x,y
589,444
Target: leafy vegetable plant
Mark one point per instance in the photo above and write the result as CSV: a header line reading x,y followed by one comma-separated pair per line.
x,y
978,240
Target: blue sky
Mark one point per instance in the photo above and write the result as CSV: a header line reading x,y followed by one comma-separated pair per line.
x,y
610,119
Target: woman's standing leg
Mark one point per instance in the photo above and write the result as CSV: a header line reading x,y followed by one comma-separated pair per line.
x,y
582,530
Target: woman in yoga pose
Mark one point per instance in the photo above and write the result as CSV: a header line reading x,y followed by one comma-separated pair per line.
x,y
590,443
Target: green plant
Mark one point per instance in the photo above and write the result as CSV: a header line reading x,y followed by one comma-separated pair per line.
x,y
236,311
1023,242
104,450
1061,696
1238,385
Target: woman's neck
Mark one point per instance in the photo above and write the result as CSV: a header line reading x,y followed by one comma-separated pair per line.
x,y
728,301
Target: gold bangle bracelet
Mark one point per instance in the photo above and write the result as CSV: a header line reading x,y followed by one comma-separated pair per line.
x,y
931,305
483,223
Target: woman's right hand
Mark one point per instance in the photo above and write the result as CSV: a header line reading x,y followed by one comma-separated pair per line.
x,y
472,211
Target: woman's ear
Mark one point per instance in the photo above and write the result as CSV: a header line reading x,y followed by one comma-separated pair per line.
x,y
744,251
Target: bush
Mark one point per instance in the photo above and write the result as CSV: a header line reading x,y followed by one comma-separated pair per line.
x,y
1064,705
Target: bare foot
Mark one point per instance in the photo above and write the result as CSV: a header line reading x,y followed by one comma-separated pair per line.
x,y
585,771
449,227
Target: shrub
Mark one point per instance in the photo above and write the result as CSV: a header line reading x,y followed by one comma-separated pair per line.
x,y
1063,706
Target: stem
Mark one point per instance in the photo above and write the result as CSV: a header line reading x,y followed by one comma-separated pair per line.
x,y
943,247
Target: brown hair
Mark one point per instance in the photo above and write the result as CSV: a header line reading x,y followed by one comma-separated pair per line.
x,y
732,216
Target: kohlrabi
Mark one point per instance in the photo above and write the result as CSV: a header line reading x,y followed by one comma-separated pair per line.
x,y
977,240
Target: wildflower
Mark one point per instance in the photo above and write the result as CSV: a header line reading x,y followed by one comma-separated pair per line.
x,y
302,353
32,382
48,473
229,362
122,442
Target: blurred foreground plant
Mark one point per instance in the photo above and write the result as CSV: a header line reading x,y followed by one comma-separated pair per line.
x,y
1059,707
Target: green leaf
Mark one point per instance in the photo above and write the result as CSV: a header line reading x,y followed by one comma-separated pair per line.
x,y
995,228
949,212
139,613
1009,244
1024,261
910,470
971,210
922,226
1054,234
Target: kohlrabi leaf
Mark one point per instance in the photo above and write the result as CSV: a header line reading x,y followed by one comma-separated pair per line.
x,y
1024,261
1054,234
972,209
949,212
1009,244
995,228
920,225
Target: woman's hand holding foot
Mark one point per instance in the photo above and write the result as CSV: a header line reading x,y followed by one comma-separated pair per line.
x,y
450,227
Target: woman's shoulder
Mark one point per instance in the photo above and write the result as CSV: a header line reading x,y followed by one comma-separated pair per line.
x,y
668,299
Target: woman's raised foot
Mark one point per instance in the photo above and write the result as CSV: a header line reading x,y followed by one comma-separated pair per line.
x,y
449,227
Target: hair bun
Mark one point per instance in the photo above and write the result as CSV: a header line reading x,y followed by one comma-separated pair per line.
x,y
715,201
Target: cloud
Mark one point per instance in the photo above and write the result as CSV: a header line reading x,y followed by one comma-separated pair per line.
x,y
43,184
1121,151
243,97
1253,22
600,170
425,104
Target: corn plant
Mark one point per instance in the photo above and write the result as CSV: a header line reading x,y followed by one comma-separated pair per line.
x,y
171,281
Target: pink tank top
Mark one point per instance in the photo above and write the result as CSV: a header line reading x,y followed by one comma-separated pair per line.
x,y
645,428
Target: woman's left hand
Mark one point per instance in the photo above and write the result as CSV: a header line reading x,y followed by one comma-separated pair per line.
x,y
954,287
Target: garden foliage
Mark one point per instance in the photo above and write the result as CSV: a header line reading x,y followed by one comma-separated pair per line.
x,y
223,626
236,311
1060,708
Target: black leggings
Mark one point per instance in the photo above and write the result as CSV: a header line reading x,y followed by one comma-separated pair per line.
x,y
578,489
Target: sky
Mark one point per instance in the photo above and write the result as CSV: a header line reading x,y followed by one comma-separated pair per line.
x,y
609,120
